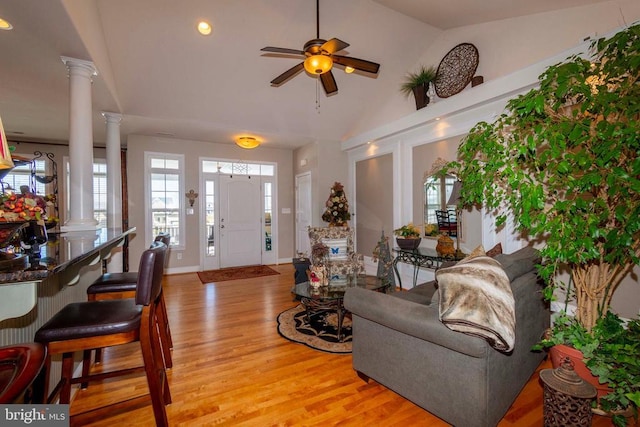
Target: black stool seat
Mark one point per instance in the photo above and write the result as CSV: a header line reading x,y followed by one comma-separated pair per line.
x,y
91,319
114,282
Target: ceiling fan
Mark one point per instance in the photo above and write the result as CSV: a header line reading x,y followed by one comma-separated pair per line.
x,y
320,57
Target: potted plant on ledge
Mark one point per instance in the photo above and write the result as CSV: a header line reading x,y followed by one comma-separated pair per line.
x,y
418,84
563,162
408,236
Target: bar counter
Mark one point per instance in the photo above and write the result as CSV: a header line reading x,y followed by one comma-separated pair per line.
x,y
67,264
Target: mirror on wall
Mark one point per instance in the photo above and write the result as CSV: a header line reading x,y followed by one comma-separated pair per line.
x,y
440,210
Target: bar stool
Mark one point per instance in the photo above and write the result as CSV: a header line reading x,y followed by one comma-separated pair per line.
x,y
87,325
19,366
123,285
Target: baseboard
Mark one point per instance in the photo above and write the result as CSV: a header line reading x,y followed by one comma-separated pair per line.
x,y
182,270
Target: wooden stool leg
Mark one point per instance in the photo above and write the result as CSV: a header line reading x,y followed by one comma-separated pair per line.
x,y
164,321
67,374
154,366
163,336
86,366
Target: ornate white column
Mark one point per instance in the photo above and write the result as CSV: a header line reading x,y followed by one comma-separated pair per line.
x,y
80,146
114,184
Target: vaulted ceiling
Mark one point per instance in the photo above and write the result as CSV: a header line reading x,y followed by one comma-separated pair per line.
x,y
166,79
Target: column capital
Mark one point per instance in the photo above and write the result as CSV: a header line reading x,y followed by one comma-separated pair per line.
x,y
80,64
111,117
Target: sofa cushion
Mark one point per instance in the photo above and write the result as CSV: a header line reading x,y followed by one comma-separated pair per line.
x,y
520,262
421,294
475,298
337,248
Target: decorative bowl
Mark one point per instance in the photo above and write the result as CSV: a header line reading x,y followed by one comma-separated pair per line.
x,y
408,243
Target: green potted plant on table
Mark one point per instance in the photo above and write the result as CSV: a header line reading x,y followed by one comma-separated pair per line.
x,y
408,236
563,162
417,83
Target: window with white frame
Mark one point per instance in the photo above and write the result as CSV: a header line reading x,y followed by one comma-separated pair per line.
x,y
99,190
437,190
164,187
21,176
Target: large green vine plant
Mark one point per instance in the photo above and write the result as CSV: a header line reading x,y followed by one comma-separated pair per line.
x,y
563,161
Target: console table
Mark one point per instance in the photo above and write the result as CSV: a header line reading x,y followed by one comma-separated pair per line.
x,y
419,258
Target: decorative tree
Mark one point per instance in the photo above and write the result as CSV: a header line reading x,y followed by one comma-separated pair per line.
x,y
564,162
336,212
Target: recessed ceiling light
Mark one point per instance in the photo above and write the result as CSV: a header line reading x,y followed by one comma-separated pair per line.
x,y
204,28
5,25
349,70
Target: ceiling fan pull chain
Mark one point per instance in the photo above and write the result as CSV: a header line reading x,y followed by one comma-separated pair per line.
x,y
318,94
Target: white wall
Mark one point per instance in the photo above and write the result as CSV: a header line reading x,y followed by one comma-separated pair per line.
x,y
327,163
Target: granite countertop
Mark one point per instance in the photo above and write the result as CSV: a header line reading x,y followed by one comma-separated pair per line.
x,y
63,250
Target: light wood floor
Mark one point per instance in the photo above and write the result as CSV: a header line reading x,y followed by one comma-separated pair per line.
x,y
232,368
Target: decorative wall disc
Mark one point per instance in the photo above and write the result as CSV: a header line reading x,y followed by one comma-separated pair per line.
x,y
456,70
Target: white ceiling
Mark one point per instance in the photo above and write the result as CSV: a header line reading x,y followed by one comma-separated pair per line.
x,y
168,80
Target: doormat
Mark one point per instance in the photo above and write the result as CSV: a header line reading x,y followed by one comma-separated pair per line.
x,y
320,334
234,273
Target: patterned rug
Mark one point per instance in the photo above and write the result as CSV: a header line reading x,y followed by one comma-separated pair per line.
x,y
234,273
321,334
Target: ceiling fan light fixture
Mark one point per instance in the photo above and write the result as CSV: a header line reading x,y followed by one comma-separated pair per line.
x,y
204,28
318,64
247,142
5,25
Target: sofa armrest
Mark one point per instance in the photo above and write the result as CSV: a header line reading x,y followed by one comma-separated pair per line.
x,y
417,320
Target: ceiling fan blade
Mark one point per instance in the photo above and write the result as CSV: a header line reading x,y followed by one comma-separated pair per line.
x,y
287,74
358,64
328,82
282,50
334,45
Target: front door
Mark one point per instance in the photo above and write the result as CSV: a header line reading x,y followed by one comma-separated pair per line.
x,y
240,224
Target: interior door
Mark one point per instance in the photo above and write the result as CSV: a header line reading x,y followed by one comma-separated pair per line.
x,y
303,212
240,221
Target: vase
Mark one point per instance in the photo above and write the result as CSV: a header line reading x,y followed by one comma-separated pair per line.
x,y
560,351
445,246
420,95
410,244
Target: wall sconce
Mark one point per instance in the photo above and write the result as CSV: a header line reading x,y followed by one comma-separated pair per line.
x,y
247,142
192,196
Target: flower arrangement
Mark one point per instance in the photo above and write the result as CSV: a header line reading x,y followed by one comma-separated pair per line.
x,y
337,208
431,230
319,252
408,231
23,207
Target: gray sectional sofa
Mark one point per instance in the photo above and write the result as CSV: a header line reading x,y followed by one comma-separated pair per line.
x,y
399,341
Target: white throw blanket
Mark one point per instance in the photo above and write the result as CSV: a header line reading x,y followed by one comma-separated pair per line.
x,y
476,299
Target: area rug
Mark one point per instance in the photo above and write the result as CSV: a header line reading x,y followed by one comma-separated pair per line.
x,y
321,334
234,273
